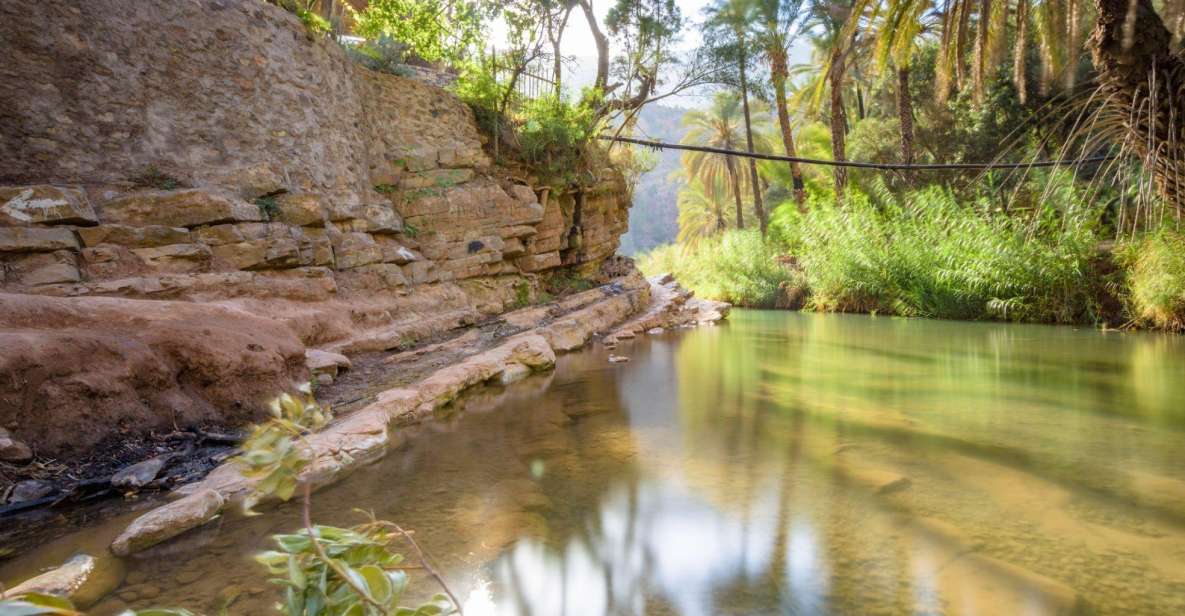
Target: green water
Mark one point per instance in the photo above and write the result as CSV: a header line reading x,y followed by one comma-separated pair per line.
x,y
782,463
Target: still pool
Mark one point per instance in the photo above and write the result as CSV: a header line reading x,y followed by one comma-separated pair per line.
x,y
781,463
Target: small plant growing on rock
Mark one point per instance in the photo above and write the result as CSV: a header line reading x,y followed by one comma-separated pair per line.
x,y
269,208
155,178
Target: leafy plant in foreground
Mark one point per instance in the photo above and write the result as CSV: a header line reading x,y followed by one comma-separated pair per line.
x,y
324,570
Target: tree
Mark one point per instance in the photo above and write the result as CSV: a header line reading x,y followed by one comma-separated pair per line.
x,y
701,211
773,30
727,33
829,18
720,126
896,28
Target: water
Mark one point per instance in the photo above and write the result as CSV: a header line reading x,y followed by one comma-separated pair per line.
x,y
782,463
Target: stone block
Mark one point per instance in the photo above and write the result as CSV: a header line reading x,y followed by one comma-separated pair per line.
x,y
45,205
36,239
175,258
395,252
178,208
135,237
352,250
538,262
315,247
43,268
277,252
302,209
420,272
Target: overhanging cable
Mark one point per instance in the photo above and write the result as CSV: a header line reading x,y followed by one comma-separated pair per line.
x,y
658,145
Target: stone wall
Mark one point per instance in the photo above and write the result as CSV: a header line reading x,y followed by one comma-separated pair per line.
x,y
213,151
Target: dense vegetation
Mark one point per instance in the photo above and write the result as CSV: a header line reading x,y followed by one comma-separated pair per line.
x,y
924,82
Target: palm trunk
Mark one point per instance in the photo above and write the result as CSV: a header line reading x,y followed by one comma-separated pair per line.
x,y
757,204
736,189
1143,82
839,121
905,114
1019,79
779,72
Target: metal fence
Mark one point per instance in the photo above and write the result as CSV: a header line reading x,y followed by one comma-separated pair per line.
x,y
531,84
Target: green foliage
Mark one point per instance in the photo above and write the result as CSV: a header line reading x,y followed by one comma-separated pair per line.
x,y
926,254
383,54
554,133
306,11
385,189
737,266
1155,280
269,208
522,294
36,604
433,30
343,571
272,454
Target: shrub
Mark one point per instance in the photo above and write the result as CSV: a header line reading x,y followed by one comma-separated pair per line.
x,y
737,267
1155,279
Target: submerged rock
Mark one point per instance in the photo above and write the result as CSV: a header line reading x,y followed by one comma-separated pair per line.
x,y
654,331
514,372
618,359
164,523
83,579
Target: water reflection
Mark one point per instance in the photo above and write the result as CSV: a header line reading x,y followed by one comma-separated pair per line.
x,y
784,463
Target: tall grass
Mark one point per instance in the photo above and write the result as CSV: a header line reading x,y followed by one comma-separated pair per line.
x,y
1155,279
737,267
920,254
927,255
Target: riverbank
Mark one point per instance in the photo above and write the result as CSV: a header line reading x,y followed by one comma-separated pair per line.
x,y
383,392
970,269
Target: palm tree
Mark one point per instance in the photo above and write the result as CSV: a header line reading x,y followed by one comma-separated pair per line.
x,y
1140,76
721,126
773,31
830,18
896,27
701,211
727,29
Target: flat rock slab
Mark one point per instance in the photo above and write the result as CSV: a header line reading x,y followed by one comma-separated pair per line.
x,y
164,523
45,205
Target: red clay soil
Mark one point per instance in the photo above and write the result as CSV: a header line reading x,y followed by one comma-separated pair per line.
x,y
80,370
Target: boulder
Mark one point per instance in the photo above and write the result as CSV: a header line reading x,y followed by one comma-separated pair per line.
x,y
325,362
30,490
45,205
140,474
12,450
36,239
168,521
178,208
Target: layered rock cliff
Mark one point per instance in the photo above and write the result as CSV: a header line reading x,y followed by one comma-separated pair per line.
x,y
194,193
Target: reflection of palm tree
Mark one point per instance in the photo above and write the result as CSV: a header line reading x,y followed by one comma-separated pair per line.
x,y
721,125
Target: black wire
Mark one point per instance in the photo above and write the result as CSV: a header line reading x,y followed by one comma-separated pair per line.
x,y
859,165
